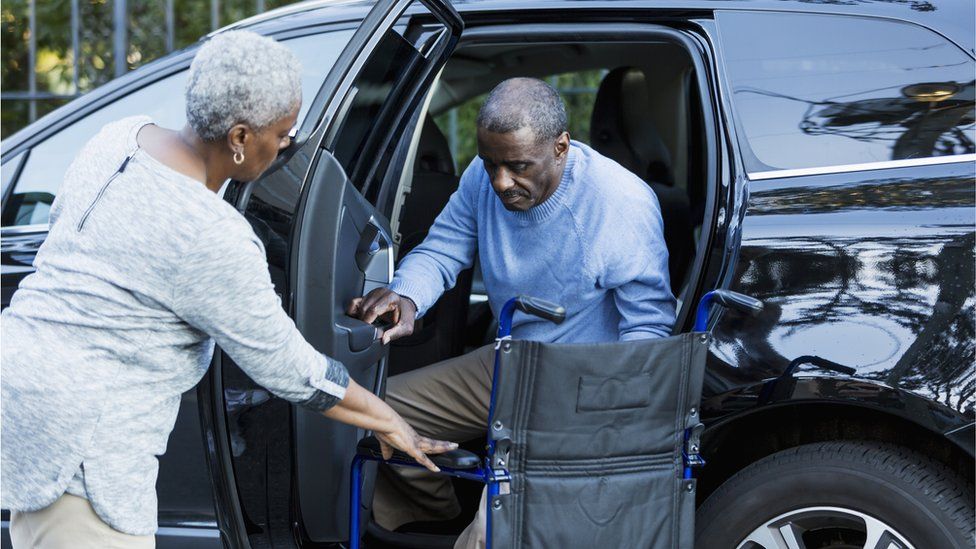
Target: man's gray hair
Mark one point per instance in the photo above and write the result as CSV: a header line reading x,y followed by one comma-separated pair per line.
x,y
520,102
241,77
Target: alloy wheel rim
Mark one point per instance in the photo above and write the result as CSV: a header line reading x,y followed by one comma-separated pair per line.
x,y
818,527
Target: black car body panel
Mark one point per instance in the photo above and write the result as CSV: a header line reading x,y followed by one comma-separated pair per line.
x,y
873,268
859,259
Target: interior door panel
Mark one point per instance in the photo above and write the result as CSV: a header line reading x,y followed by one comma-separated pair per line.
x,y
341,244
339,249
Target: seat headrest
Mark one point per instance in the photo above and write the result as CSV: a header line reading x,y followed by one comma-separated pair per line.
x,y
433,152
621,126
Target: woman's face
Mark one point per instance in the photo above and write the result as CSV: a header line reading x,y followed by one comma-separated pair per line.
x,y
262,147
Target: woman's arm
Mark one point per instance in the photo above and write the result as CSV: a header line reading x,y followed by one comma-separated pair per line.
x,y
223,288
365,410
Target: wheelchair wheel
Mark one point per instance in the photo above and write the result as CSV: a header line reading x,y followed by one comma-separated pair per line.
x,y
840,495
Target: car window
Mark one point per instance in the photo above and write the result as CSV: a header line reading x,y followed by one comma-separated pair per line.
x,y
162,100
10,168
317,52
394,55
822,90
374,99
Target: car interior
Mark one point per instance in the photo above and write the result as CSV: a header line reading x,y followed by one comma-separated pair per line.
x,y
646,115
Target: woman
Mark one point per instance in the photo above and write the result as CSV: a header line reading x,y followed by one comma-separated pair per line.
x,y
144,268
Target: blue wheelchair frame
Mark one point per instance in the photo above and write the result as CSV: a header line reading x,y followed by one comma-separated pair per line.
x,y
493,477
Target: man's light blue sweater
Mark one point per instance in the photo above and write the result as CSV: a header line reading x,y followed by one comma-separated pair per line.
x,y
596,246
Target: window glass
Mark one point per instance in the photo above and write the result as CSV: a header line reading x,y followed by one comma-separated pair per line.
x,y
393,57
317,52
377,100
821,90
8,172
163,101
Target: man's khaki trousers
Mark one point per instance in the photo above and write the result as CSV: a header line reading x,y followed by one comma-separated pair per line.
x,y
70,523
446,401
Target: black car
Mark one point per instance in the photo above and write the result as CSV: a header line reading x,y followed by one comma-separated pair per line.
x,y
817,155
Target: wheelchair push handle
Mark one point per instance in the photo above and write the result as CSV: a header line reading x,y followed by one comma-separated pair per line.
x,y
541,308
737,301
728,299
529,305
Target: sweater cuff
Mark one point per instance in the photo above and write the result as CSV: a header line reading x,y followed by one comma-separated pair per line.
x,y
411,291
637,335
330,385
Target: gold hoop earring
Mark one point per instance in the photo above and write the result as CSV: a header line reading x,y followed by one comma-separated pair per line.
x,y
239,157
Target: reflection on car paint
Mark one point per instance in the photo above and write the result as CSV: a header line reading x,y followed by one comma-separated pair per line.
x,y
874,274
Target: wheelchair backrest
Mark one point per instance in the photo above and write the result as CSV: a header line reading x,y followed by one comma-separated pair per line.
x,y
592,436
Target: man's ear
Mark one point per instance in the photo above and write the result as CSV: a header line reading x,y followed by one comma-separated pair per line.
x,y
562,145
237,137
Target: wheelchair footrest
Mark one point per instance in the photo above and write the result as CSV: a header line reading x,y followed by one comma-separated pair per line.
x,y
455,459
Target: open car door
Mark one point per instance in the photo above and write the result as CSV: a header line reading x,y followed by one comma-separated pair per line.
x,y
337,247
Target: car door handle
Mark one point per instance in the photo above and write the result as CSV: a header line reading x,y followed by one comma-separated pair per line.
x,y
373,255
360,334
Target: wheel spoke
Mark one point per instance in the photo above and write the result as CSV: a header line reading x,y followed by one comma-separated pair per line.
x,y
787,530
879,536
792,536
768,537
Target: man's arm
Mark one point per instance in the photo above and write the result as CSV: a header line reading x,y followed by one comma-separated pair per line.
x,y
639,277
432,267
646,306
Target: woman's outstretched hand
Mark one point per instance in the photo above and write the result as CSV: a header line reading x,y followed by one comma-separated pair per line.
x,y
365,410
402,437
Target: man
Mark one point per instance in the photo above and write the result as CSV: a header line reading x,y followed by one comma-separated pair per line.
x,y
548,217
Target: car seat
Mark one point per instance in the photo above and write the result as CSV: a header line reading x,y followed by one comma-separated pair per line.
x,y
621,128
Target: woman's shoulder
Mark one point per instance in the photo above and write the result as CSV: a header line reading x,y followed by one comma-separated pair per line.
x,y
198,222
129,125
122,133
197,207
110,144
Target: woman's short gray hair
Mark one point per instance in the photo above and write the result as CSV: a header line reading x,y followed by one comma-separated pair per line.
x,y
241,77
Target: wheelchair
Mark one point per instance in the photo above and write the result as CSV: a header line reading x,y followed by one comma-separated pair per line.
x,y
609,468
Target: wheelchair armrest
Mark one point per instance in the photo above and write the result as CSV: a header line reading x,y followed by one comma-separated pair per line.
x,y
455,459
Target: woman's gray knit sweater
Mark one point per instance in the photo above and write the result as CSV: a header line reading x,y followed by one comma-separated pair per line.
x,y
136,280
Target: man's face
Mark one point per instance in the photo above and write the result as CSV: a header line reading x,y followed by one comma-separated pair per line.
x,y
523,171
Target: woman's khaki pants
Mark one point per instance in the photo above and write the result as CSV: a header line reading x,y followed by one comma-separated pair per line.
x,y
447,401
69,523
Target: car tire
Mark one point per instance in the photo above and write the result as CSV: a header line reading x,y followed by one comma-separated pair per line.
x,y
826,494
